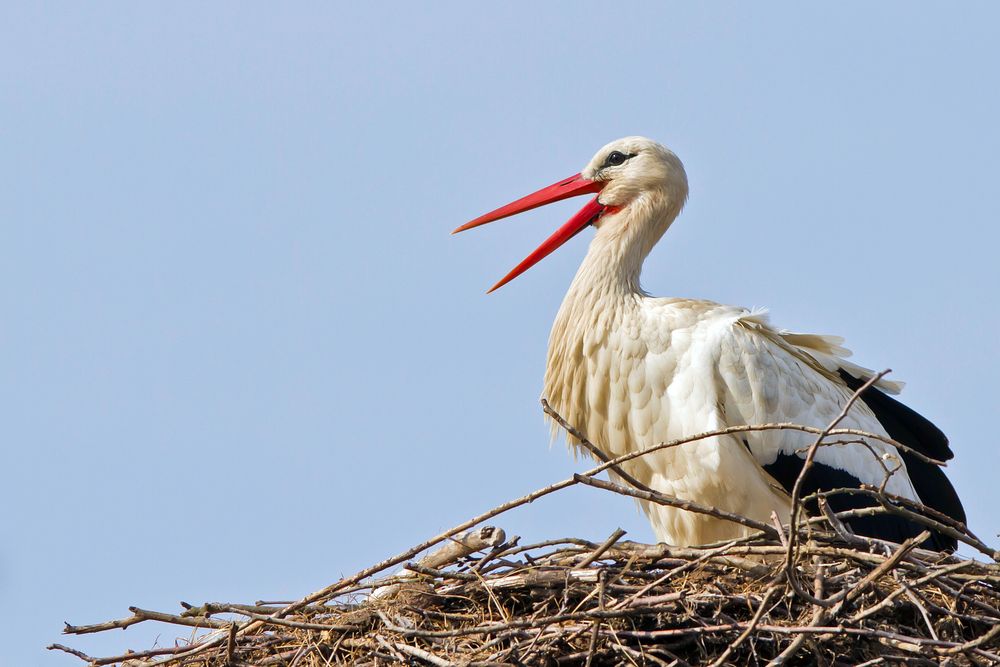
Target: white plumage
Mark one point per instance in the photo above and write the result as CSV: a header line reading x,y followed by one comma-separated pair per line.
x,y
630,370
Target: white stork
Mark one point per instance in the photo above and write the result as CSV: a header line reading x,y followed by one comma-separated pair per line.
x,y
631,370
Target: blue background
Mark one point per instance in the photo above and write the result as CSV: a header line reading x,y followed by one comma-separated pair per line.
x,y
241,356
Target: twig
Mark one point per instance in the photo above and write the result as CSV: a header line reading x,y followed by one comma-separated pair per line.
x,y
594,450
72,651
796,504
758,615
680,503
600,551
426,656
140,615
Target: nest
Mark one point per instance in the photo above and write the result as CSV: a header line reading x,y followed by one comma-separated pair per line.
x,y
807,592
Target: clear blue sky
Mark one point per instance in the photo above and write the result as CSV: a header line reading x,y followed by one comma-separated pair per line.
x,y
240,354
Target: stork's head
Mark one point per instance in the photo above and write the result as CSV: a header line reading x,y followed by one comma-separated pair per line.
x,y
641,188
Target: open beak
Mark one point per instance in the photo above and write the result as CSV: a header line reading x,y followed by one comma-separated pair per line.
x,y
568,187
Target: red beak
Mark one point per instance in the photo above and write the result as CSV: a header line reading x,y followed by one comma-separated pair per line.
x,y
568,187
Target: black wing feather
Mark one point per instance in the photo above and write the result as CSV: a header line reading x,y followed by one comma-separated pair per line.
x,y
822,477
907,427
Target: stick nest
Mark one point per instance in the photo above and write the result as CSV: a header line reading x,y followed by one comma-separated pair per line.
x,y
573,602
806,592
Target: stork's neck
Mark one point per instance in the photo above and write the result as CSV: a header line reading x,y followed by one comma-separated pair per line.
x,y
604,297
610,272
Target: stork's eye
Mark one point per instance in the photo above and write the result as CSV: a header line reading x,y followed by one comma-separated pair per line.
x,y
616,158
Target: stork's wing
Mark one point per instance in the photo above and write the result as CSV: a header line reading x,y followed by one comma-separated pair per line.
x,y
903,424
771,376
908,427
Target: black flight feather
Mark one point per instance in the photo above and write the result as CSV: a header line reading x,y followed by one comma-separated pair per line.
x,y
907,427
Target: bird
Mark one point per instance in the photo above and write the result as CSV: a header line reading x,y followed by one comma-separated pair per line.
x,y
629,370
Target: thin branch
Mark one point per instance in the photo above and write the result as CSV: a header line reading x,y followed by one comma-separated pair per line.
x,y
679,503
796,503
600,551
